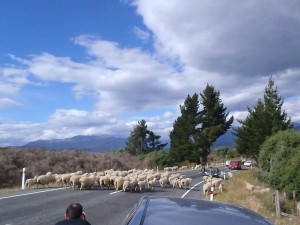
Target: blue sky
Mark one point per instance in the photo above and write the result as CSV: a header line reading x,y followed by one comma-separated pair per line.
x,y
78,67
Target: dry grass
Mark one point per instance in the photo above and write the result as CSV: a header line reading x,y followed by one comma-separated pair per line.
x,y
235,192
9,190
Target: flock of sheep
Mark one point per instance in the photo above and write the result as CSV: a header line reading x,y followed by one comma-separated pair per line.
x,y
131,180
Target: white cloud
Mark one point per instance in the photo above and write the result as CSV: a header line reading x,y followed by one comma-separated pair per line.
x,y
142,34
235,47
250,38
6,102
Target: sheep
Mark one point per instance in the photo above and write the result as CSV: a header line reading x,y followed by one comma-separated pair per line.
x,y
45,179
130,184
118,183
205,178
249,187
175,182
258,189
230,174
197,167
151,184
126,185
31,182
185,183
65,178
215,182
104,181
220,187
74,181
206,188
87,182
142,185
163,182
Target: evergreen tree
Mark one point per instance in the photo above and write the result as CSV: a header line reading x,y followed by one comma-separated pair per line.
x,y
195,131
183,144
276,118
136,142
253,131
266,119
141,140
213,120
153,142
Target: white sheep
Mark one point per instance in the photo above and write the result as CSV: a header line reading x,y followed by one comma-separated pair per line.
x,y
142,185
45,179
220,187
249,187
104,181
163,182
65,178
215,182
130,185
185,183
118,183
87,182
151,184
74,181
31,182
206,188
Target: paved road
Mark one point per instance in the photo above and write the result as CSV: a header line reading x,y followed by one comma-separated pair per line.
x,y
107,207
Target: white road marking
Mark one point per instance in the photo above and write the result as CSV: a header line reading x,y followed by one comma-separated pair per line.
x,y
191,189
115,192
32,193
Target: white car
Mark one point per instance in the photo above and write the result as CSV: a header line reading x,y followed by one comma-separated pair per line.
x,y
227,163
248,163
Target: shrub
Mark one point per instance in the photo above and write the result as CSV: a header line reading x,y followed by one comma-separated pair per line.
x,y
279,161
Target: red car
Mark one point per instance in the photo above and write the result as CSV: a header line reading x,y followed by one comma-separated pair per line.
x,y
235,165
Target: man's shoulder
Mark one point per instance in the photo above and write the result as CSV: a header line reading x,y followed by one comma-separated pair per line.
x,y
73,222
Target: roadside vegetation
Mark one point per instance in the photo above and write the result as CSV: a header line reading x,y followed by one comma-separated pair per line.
x,y
235,192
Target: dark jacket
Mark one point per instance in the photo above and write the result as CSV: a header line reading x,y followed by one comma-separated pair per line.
x,y
73,222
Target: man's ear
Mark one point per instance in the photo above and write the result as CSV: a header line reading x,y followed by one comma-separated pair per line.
x,y
83,216
66,216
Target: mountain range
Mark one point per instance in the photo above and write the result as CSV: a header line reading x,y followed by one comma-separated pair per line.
x,y
104,143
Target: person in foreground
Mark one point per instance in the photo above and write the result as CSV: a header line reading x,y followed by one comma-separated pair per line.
x,y
74,216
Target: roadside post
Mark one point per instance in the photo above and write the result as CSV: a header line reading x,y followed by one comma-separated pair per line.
x,y
211,193
23,178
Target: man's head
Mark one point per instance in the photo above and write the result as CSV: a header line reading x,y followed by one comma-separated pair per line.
x,y
74,211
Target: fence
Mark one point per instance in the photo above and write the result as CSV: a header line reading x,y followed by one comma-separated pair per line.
x,y
276,201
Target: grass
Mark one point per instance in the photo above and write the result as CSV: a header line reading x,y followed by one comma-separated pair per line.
x,y
9,190
235,192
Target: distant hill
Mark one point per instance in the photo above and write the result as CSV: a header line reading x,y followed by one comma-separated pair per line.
x,y
228,138
94,143
104,143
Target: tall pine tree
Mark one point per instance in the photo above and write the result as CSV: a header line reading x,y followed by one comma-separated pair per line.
x,y
141,140
195,131
266,119
183,145
213,120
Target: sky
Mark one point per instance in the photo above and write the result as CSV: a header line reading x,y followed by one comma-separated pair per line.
x,y
92,67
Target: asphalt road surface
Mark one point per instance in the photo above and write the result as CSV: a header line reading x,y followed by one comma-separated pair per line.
x,y
103,207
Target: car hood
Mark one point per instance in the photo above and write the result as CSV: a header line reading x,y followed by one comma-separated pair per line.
x,y
179,211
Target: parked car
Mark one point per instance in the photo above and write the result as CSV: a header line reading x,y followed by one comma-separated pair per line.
x,y
212,172
181,211
227,163
248,163
235,165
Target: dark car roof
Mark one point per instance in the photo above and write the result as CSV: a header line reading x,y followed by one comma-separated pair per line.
x,y
180,211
